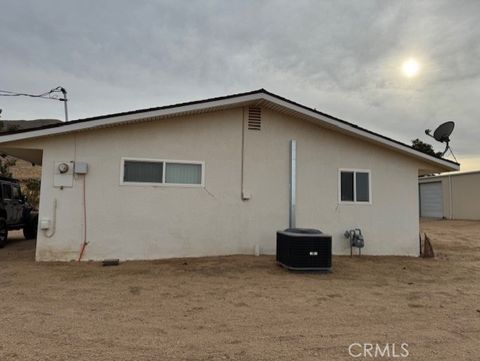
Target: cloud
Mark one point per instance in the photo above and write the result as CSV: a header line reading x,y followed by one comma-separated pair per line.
x,y
340,57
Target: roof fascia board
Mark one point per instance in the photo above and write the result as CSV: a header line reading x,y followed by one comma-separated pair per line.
x,y
67,128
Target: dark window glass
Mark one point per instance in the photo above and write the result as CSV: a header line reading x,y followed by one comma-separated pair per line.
x,y
143,172
346,186
7,191
362,183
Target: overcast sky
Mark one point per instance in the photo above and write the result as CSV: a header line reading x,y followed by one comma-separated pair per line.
x,y
341,57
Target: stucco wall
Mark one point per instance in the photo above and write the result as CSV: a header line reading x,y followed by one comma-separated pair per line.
x,y
461,195
138,222
390,223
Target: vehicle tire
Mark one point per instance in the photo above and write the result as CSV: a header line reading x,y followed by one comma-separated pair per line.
x,y
30,229
3,232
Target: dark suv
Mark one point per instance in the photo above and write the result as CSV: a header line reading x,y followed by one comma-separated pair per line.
x,y
15,212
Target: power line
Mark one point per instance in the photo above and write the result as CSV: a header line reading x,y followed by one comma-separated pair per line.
x,y
51,94
47,95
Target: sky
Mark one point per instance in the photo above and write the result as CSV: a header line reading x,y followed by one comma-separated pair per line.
x,y
343,58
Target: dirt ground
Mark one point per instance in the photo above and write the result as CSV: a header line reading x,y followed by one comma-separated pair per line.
x,y
243,307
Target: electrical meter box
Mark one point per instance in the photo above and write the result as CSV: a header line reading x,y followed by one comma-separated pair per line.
x,y
63,174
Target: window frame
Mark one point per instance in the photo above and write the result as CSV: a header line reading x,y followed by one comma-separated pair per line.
x,y
164,162
354,171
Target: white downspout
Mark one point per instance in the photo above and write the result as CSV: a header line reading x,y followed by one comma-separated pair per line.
x,y
243,193
293,183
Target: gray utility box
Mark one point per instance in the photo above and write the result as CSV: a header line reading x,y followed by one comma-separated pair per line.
x,y
80,168
304,249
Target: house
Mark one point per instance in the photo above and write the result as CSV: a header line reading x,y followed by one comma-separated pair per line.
x,y
453,196
212,177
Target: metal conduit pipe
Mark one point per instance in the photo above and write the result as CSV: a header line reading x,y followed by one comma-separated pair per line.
x,y
293,183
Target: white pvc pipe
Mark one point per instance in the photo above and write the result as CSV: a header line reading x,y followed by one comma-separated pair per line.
x,y
54,220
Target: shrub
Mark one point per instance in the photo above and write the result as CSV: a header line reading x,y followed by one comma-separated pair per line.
x,y
31,189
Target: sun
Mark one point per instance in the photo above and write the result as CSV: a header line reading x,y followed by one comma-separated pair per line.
x,y
410,68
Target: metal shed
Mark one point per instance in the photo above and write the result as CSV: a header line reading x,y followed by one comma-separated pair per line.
x,y
431,200
451,196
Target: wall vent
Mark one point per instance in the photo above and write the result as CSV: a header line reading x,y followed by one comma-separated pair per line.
x,y
254,118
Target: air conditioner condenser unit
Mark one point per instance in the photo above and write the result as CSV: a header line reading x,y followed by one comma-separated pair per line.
x,y
304,249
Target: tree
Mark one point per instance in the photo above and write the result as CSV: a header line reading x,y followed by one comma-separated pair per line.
x,y
5,127
425,148
5,161
31,189
5,164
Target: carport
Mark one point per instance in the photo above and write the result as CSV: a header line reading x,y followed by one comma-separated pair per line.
x,y
15,212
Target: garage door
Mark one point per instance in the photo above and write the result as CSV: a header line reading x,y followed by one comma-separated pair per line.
x,y
431,200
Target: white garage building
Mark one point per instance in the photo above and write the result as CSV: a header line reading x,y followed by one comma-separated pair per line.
x,y
453,196
212,177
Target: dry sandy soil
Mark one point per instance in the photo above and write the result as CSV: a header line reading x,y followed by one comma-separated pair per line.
x,y
243,307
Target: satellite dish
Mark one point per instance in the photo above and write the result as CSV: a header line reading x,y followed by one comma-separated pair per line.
x,y
442,135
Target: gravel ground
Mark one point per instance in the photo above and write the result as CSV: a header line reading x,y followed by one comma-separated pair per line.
x,y
243,307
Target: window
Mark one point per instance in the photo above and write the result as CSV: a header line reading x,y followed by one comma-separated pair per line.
x,y
16,192
347,187
183,173
354,186
161,172
6,191
141,171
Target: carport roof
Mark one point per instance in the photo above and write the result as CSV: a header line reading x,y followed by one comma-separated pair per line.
x,y
260,97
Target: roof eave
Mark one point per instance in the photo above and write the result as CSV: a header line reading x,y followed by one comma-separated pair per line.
x,y
227,102
345,127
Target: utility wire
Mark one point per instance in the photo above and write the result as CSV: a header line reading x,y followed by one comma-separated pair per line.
x,y
46,95
51,94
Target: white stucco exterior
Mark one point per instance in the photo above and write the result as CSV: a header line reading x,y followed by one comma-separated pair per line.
x,y
152,222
